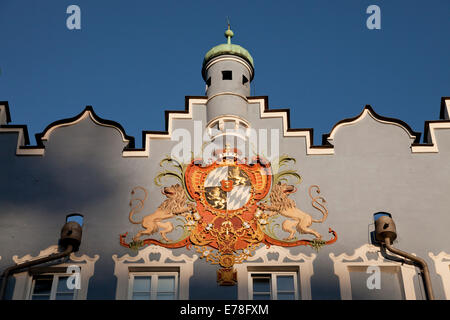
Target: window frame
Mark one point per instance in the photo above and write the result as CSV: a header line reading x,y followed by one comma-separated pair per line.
x,y
53,290
343,263
227,74
154,277
24,280
300,264
442,267
141,263
273,283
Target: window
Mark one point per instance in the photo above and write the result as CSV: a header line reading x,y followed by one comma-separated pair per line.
x,y
244,79
154,286
51,287
227,75
274,286
274,273
154,274
396,279
50,283
208,82
390,283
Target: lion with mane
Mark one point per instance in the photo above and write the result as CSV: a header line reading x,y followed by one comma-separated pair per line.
x,y
297,219
175,204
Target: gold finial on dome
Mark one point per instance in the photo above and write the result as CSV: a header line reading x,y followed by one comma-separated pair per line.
x,y
229,34
227,49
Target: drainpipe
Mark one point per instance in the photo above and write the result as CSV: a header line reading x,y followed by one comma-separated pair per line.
x,y
70,240
14,269
386,233
422,264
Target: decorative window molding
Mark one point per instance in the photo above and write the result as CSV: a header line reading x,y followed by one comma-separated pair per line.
x,y
344,262
300,264
442,266
126,267
24,281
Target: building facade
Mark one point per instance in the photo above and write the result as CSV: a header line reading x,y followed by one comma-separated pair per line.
x,y
229,202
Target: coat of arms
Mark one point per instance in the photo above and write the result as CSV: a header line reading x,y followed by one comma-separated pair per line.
x,y
226,209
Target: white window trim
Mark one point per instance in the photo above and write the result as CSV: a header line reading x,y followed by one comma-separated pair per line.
x,y
273,284
443,269
301,263
154,282
123,264
344,261
24,281
54,286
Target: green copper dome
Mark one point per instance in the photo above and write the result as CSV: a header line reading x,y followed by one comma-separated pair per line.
x,y
228,48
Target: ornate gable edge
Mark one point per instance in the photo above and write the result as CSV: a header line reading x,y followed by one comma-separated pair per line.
x,y
429,144
21,130
368,111
5,116
170,115
24,149
445,108
284,114
87,112
430,141
326,148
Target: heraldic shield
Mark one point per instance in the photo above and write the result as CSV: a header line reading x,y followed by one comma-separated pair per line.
x,y
225,210
227,194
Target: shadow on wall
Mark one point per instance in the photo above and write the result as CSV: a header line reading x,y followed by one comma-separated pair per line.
x,y
81,165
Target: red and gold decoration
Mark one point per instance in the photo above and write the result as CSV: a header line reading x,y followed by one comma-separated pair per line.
x,y
225,212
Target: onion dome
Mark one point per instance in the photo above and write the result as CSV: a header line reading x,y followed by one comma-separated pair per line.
x,y
227,49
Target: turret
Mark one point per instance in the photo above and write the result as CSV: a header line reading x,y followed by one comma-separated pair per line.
x,y
227,70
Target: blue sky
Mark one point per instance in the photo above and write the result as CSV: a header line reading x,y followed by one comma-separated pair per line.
x,y
132,60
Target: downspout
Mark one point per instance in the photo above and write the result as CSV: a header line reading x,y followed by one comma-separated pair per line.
x,y
70,240
14,269
422,264
386,233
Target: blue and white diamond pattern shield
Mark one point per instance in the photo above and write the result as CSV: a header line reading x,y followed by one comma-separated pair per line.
x,y
231,200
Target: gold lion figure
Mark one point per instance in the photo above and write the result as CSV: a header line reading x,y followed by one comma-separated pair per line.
x,y
175,204
297,219
235,174
214,196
